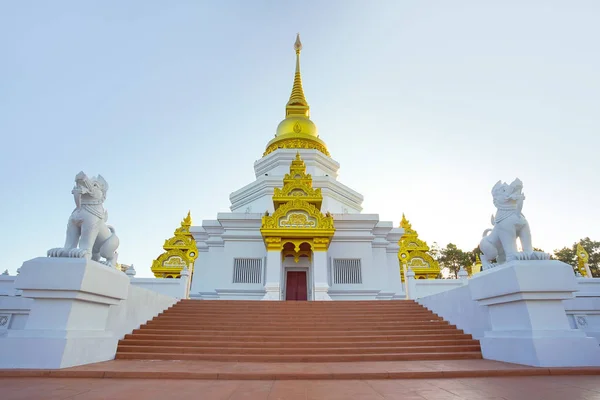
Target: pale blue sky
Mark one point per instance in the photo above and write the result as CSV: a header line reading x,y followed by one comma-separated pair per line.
x,y
424,104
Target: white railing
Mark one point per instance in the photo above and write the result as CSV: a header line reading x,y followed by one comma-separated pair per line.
x,y
178,288
418,288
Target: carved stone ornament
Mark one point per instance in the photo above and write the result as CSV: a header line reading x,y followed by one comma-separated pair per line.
x,y
4,318
500,243
88,235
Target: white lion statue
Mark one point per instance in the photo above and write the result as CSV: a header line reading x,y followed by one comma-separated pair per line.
x,y
87,224
509,224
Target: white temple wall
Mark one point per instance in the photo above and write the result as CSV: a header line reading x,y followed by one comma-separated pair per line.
x,y
359,250
258,205
278,163
335,206
216,269
332,201
394,283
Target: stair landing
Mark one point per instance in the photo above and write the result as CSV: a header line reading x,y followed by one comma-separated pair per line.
x,y
214,370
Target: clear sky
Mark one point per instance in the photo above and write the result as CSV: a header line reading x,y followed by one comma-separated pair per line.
x,y
424,104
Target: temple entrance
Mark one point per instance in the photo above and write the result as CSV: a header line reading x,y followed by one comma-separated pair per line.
x,y
296,286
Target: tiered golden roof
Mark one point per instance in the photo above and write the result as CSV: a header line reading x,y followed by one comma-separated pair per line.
x,y
297,131
180,252
297,225
414,253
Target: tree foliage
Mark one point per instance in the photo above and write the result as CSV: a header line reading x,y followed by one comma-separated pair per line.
x,y
454,258
569,255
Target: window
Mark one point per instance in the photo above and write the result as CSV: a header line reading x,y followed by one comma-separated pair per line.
x,y
347,271
247,270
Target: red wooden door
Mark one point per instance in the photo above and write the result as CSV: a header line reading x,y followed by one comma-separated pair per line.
x,y
295,287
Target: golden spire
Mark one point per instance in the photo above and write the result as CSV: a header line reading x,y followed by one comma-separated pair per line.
x,y
297,104
297,131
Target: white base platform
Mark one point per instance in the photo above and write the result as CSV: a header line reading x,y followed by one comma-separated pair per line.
x,y
528,319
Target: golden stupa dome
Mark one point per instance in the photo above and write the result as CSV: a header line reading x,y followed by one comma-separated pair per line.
x,y
297,125
297,131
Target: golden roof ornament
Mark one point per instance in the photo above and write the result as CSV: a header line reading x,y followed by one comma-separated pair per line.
x,y
297,131
180,252
415,253
582,259
297,218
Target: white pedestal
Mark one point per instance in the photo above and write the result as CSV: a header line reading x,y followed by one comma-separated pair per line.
x,y
68,318
528,318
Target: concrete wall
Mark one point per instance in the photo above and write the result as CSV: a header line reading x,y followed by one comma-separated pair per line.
x,y
7,283
175,288
43,332
429,287
583,311
141,305
457,307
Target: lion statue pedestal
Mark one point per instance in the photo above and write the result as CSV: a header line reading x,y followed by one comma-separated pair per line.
x,y
88,235
69,323
528,321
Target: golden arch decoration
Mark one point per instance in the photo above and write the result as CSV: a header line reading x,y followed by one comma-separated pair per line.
x,y
297,218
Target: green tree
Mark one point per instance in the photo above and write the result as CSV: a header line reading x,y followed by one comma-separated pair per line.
x,y
453,258
569,255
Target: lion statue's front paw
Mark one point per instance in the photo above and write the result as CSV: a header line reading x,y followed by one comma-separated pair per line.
x,y
56,252
79,253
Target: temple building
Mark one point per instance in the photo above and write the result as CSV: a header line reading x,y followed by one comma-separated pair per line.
x,y
296,232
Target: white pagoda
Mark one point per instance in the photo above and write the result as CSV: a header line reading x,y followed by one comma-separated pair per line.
x,y
296,232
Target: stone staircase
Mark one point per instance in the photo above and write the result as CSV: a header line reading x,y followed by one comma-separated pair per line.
x,y
263,331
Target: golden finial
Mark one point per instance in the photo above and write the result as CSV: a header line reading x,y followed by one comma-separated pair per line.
x,y
185,224
297,104
187,220
298,44
404,223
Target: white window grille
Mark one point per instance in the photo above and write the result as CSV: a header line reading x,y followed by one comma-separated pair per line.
x,y
247,270
347,271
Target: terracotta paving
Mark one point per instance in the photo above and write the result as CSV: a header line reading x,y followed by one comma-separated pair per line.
x,y
501,388
212,370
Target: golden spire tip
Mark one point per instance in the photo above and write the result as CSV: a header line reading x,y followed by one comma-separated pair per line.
x,y
298,43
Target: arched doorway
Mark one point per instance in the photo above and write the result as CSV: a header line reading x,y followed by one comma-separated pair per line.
x,y
296,263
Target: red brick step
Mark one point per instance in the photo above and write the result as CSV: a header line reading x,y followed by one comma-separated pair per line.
x,y
254,331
